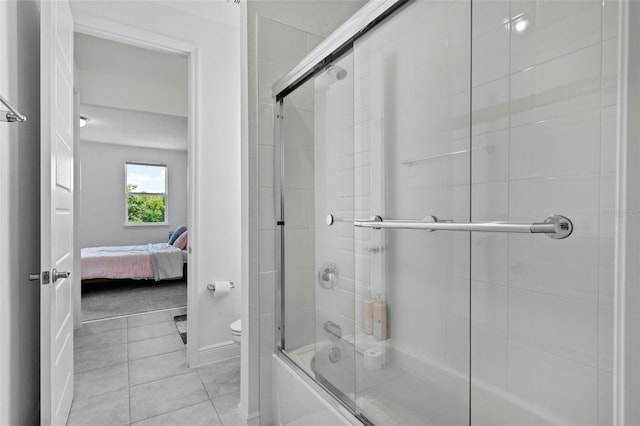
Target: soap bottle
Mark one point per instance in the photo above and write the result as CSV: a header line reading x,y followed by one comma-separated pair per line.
x,y
367,313
380,319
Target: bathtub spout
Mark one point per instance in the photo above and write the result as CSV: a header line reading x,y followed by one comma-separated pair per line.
x,y
333,328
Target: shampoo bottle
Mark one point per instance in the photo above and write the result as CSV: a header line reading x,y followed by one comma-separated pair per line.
x,y
380,319
367,313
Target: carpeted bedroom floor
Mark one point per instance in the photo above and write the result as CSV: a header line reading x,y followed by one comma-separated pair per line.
x,y
116,298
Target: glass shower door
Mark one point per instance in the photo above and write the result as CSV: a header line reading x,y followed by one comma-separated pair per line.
x,y
411,162
417,170
543,138
491,325
318,265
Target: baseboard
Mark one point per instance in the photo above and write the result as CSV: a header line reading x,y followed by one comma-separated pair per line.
x,y
35,417
248,419
219,352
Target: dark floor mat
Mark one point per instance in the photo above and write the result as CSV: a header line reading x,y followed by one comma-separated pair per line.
x,y
181,325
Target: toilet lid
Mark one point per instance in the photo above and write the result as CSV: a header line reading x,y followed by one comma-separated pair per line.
x,y
236,326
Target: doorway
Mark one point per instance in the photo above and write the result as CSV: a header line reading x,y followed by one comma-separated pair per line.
x,y
131,211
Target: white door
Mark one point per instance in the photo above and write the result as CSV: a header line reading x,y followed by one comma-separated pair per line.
x,y
56,214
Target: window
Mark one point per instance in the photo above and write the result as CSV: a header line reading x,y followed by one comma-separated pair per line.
x,y
146,191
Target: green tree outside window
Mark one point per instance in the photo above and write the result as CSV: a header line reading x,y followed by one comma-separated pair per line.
x,y
146,193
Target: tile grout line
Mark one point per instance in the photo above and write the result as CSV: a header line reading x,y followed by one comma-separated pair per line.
x,y
172,411
160,379
127,360
131,315
128,373
151,356
215,410
179,408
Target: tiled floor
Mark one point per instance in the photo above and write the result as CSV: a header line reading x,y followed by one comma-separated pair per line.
x,y
132,371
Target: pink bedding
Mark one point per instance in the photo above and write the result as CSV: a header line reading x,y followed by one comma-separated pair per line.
x,y
122,262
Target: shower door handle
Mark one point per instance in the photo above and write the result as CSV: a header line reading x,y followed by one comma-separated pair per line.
x,y
556,226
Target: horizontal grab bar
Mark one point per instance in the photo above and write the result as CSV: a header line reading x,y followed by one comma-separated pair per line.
x,y
556,226
11,115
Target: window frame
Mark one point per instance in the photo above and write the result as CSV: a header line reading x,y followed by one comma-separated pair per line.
x,y
166,195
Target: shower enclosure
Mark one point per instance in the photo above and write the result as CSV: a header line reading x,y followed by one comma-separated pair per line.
x,y
446,169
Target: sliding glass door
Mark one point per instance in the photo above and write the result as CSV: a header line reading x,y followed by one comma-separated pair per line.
x,y
445,255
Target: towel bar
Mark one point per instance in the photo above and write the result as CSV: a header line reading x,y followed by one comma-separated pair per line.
x,y
12,115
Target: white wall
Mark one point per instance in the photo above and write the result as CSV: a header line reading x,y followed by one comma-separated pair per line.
x,y
103,211
20,214
151,81
214,158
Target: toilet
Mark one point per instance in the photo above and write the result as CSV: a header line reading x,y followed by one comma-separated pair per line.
x,y
236,330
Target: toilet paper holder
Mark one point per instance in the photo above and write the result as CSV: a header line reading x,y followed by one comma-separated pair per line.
x,y
212,287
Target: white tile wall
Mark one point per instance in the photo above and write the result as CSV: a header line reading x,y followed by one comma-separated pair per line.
x,y
489,333
566,390
578,197
549,148
490,106
489,15
605,401
489,49
277,48
552,89
488,254
569,270
555,156
490,157
563,326
553,30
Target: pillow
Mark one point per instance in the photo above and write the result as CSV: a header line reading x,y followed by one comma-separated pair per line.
x,y
179,230
182,241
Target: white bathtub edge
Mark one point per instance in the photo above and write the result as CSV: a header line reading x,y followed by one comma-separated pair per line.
x,y
297,400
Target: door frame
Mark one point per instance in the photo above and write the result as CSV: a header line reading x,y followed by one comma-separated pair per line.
x,y
97,27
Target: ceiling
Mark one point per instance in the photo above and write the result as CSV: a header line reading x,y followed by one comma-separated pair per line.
x,y
319,17
132,96
119,75
133,128
219,11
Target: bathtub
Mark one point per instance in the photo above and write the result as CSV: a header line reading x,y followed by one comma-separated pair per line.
x,y
405,391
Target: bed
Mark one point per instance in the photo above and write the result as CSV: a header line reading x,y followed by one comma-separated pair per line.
x,y
156,261
159,261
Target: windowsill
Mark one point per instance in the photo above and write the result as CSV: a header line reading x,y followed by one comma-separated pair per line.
x,y
145,224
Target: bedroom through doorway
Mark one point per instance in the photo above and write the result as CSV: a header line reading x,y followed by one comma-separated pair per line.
x,y
132,204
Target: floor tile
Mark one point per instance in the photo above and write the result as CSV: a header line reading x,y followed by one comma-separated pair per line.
x,y
221,378
155,346
101,326
178,311
227,408
111,409
151,330
201,414
150,318
163,396
94,339
90,358
158,367
100,381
